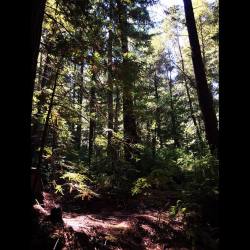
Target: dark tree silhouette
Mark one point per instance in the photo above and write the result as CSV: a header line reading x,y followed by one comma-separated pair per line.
x,y
204,95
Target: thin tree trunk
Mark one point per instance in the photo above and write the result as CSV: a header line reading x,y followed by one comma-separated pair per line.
x,y
37,13
154,144
92,122
116,120
173,117
188,95
46,125
80,98
110,149
43,139
55,134
45,80
204,95
117,109
46,72
40,70
158,120
148,137
73,98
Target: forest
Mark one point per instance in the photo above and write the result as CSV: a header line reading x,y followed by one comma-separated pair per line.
x,y
124,115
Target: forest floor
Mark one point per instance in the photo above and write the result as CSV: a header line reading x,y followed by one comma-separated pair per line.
x,y
103,226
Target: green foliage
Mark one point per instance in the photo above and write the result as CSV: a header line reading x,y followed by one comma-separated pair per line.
x,y
177,208
105,181
59,189
75,177
141,185
160,179
101,141
79,34
47,151
79,184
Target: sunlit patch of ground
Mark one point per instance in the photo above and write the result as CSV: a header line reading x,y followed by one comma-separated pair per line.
x,y
123,229
140,230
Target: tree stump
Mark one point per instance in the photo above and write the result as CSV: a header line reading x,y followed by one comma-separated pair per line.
x,y
56,214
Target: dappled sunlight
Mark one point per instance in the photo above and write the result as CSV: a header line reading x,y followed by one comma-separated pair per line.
x,y
145,227
124,125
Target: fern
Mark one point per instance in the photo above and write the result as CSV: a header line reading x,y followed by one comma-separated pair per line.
x,y
79,182
75,177
59,189
140,185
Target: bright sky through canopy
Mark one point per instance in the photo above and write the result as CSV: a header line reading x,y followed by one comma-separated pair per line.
x,y
157,11
157,15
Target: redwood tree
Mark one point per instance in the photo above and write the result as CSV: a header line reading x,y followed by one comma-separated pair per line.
x,y
129,123
37,14
204,95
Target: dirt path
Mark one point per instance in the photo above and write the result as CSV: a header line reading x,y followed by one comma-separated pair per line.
x,y
123,229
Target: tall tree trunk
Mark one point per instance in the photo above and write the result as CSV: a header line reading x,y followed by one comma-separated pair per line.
x,y
46,124
43,139
129,123
37,13
204,95
92,122
79,99
110,150
188,95
45,78
40,70
73,99
157,113
148,136
173,115
116,120
154,144
46,72
117,109
55,135
45,81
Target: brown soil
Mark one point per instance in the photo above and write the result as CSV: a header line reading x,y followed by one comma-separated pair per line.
x,y
109,228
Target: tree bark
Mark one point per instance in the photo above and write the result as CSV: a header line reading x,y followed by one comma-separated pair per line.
x,y
92,122
80,98
157,113
37,13
154,144
40,70
204,95
110,150
129,123
117,109
116,120
148,136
